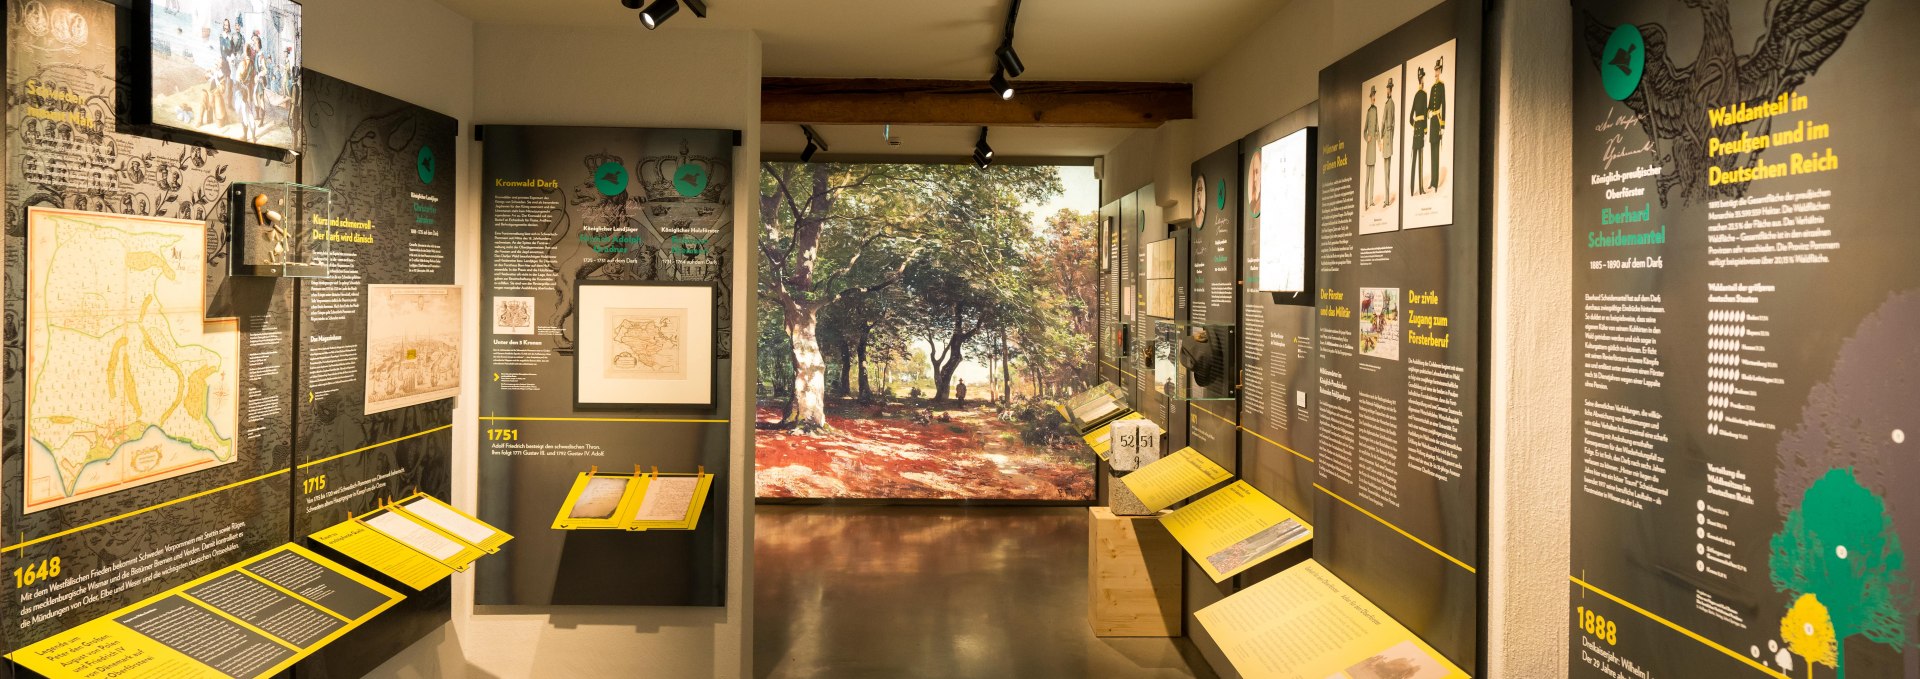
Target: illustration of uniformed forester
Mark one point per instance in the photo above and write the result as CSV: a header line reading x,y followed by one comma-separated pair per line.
x,y
1370,140
1436,118
1417,118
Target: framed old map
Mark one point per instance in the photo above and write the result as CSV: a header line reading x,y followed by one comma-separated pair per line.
x,y
644,343
413,345
127,383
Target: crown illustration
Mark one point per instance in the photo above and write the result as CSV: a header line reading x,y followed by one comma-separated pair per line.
x,y
659,174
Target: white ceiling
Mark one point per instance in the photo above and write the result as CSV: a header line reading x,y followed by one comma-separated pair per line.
x,y
1123,40
1129,40
937,142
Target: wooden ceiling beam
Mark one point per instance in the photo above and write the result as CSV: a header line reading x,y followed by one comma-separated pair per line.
x,y
880,101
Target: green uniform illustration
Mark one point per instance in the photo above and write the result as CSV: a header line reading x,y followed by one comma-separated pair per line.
x,y
1418,119
1386,140
1436,118
1370,140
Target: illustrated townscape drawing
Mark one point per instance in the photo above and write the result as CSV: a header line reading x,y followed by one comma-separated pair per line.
x,y
413,345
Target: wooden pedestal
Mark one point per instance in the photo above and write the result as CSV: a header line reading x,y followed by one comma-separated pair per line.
x,y
1133,577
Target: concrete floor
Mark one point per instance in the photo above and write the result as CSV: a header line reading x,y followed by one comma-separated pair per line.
x,y
933,592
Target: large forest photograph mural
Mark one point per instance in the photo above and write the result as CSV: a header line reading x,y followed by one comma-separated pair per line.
x,y
917,326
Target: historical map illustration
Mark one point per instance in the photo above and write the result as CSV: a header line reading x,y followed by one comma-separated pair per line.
x,y
646,344
126,383
413,345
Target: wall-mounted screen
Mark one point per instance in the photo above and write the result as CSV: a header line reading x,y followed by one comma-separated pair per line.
x,y
226,68
1277,191
918,326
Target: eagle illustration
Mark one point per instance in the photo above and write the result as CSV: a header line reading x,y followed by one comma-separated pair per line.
x,y
1673,102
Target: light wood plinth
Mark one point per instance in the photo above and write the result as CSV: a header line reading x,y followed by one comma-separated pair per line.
x,y
1133,576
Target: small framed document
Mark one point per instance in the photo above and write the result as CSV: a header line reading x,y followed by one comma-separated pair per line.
x,y
644,343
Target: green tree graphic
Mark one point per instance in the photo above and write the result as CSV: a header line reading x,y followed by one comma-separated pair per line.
x,y
1840,546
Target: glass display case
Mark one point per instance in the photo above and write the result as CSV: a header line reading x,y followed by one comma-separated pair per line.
x,y
281,229
1099,405
1193,361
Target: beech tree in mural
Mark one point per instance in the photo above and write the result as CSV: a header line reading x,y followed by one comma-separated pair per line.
x,y
881,285
1840,547
834,234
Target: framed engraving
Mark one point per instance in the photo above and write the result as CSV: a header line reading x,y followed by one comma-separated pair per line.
x,y
644,343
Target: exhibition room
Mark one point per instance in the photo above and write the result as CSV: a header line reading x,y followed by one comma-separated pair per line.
x,y
1116,339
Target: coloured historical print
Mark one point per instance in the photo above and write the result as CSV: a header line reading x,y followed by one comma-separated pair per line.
x,y
1380,322
227,68
646,344
413,345
513,315
1258,545
1382,106
1427,141
127,384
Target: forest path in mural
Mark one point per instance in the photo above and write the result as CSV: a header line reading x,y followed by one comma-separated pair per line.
x,y
899,451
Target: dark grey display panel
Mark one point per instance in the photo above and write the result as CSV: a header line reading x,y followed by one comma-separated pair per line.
x,y
1276,328
560,205
390,165
1398,500
1744,372
121,526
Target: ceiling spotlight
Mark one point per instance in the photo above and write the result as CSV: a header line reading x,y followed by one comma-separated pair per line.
x,y
982,153
658,13
981,161
1000,84
806,154
631,4
1009,59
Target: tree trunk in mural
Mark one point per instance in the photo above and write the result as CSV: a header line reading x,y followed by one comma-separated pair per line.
x,y
1006,370
807,410
860,356
843,383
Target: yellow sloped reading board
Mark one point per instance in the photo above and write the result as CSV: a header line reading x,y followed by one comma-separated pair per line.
x,y
430,510
599,501
252,619
1305,623
1174,478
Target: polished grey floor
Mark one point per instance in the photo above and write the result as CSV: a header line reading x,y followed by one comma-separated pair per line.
x,y
935,592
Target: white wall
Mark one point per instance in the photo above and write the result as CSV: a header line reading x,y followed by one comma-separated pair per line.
x,y
1530,440
422,52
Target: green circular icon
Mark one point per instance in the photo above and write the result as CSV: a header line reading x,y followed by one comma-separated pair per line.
x,y
610,178
425,165
689,179
1220,195
1623,61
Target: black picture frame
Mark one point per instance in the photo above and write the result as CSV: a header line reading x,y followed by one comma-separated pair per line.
x,y
709,356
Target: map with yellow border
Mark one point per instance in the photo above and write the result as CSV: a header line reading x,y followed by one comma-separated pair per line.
x,y
126,384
